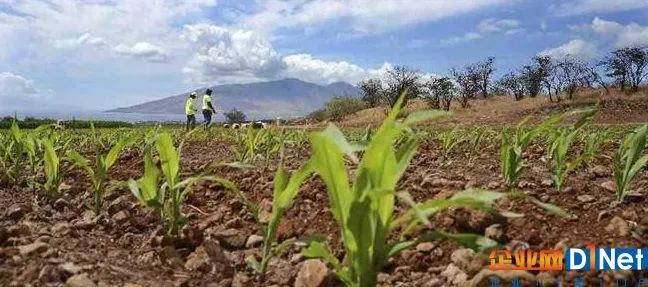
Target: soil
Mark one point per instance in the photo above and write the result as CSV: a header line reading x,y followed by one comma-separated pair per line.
x,y
47,242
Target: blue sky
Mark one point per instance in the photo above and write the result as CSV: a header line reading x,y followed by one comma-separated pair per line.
x,y
96,55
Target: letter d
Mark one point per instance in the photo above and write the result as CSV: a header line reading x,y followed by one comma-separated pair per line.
x,y
576,262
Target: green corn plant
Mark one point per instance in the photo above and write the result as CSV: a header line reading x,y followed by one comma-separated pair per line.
x,y
449,140
286,187
98,171
561,144
364,211
52,185
8,162
591,147
627,161
511,162
475,141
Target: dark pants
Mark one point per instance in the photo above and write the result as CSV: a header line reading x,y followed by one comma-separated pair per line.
x,y
207,114
191,122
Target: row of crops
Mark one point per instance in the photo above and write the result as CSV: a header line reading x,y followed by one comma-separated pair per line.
x,y
363,202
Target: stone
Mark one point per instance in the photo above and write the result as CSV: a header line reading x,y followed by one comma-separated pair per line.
x,y
454,276
253,241
547,183
599,171
425,246
36,247
121,216
609,186
618,227
495,232
61,229
15,212
585,198
526,184
483,278
70,268
80,280
312,273
493,185
198,261
231,238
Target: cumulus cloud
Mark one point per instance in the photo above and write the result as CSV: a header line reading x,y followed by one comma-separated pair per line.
x,y
365,16
85,39
577,48
143,50
12,84
629,35
580,7
495,25
223,55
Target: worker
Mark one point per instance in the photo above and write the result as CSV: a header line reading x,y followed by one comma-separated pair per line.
x,y
190,110
207,108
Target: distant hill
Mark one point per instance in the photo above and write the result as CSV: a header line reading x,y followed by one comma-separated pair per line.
x,y
282,98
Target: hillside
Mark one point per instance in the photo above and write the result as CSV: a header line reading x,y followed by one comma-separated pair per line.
x,y
284,98
614,108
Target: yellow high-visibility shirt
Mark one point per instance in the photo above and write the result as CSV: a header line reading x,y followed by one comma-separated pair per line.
x,y
206,99
189,107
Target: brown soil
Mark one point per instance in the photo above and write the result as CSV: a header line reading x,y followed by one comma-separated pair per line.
x,y
124,244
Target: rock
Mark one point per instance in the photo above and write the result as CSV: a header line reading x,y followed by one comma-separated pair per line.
x,y
425,246
495,232
61,229
483,278
60,204
609,186
15,212
241,280
231,238
526,184
493,185
437,252
265,211
468,261
547,183
81,280
599,171
433,282
312,273
544,198
36,247
585,198
633,196
198,261
618,227
121,216
253,241
454,276
69,268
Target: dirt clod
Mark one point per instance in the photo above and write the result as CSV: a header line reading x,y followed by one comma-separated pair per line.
x,y
618,227
81,280
312,274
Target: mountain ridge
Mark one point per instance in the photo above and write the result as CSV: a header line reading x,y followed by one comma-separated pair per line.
x,y
288,97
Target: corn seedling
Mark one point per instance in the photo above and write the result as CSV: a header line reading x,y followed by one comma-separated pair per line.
x,y
52,185
591,147
364,211
560,146
475,141
449,140
511,162
286,188
98,171
627,161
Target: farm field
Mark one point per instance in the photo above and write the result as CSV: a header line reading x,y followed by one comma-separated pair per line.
x,y
251,207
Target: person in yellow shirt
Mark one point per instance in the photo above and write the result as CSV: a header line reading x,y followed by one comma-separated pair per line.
x,y
207,108
190,111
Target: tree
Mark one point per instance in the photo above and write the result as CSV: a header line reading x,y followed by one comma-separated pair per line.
x,y
628,67
439,93
235,116
468,84
340,106
513,84
483,71
572,75
398,79
372,91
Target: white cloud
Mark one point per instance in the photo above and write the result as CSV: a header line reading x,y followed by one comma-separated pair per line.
x,y
543,26
12,84
85,39
580,7
471,36
143,50
495,25
629,35
367,16
223,55
577,48
515,31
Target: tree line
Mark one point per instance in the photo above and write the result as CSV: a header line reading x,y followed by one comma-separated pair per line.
x,y
558,79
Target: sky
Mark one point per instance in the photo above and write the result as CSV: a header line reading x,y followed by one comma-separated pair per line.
x,y
102,54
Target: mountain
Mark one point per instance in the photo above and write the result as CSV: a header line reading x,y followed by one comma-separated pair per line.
x,y
283,98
